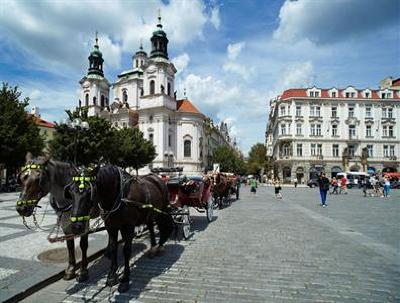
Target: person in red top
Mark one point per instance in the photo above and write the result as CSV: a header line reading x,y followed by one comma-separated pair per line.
x,y
343,185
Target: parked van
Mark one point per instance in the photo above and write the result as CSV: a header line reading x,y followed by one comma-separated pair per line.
x,y
354,179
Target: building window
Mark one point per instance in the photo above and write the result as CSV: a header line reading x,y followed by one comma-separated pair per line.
x,y
368,112
351,111
352,150
152,87
319,149
318,129
124,125
390,131
311,94
352,131
313,130
390,112
283,110
334,111
137,63
169,141
370,149
94,101
124,96
383,96
386,151
316,94
334,130
298,129
283,129
298,110
187,146
366,95
385,131
347,95
169,89
102,102
141,92
333,94
151,138
299,150
368,132
391,150
315,111
286,150
87,100
335,150
313,146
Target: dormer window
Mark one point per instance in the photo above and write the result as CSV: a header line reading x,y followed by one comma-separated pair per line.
x,y
311,94
383,95
333,94
366,95
347,95
316,94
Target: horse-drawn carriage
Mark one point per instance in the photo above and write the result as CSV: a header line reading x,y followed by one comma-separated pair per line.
x,y
186,192
225,185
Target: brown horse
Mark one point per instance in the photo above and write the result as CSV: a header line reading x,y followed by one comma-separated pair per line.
x,y
124,205
38,178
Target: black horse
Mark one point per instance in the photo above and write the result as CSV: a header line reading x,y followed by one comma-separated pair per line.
x,y
124,205
39,177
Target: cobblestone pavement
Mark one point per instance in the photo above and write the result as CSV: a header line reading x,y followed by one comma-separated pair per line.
x,y
20,267
266,250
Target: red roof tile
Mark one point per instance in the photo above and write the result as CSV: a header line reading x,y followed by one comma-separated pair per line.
x,y
41,122
302,93
185,106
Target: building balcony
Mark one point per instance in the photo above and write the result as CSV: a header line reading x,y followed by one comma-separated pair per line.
x,y
317,157
285,136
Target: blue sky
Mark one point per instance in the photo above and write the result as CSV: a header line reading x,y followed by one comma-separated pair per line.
x,y
232,56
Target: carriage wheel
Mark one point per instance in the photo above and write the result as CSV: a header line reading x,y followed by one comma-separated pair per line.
x,y
186,222
210,209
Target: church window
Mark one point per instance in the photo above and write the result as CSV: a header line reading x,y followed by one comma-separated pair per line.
x,y
169,89
141,62
141,92
162,88
137,63
187,146
94,101
87,100
169,141
125,96
102,101
151,138
152,87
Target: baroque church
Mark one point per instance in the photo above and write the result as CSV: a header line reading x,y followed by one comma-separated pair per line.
x,y
144,97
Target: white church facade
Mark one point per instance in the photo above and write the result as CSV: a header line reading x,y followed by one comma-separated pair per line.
x,y
144,96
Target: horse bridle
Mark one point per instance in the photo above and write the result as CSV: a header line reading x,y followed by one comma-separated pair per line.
x,y
84,182
29,168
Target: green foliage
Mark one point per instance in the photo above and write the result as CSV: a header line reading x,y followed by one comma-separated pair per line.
x,y
133,149
257,159
88,146
229,159
101,142
18,132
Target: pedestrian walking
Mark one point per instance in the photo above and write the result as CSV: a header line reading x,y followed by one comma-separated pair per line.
x,y
323,183
386,187
295,183
238,187
253,185
335,186
278,188
343,185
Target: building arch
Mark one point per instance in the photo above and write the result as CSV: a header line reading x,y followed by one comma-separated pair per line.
x,y
287,174
335,170
355,168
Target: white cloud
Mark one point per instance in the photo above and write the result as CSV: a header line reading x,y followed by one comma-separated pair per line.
x,y
215,18
58,32
235,49
324,22
237,69
181,62
296,74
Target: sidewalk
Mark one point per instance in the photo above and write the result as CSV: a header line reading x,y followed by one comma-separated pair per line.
x,y
20,267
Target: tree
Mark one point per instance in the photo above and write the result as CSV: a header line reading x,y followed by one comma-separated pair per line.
x,y
18,131
89,146
133,149
257,161
228,159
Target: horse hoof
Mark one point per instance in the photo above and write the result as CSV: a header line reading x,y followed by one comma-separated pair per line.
x,y
82,276
69,275
123,287
111,281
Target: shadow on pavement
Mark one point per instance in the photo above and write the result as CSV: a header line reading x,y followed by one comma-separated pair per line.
x,y
145,269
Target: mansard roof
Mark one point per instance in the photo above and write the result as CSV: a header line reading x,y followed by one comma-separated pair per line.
x,y
302,93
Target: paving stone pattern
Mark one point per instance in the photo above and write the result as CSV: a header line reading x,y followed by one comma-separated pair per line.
x,y
266,250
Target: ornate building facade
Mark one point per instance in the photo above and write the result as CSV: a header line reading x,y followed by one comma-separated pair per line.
x,y
144,96
312,130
